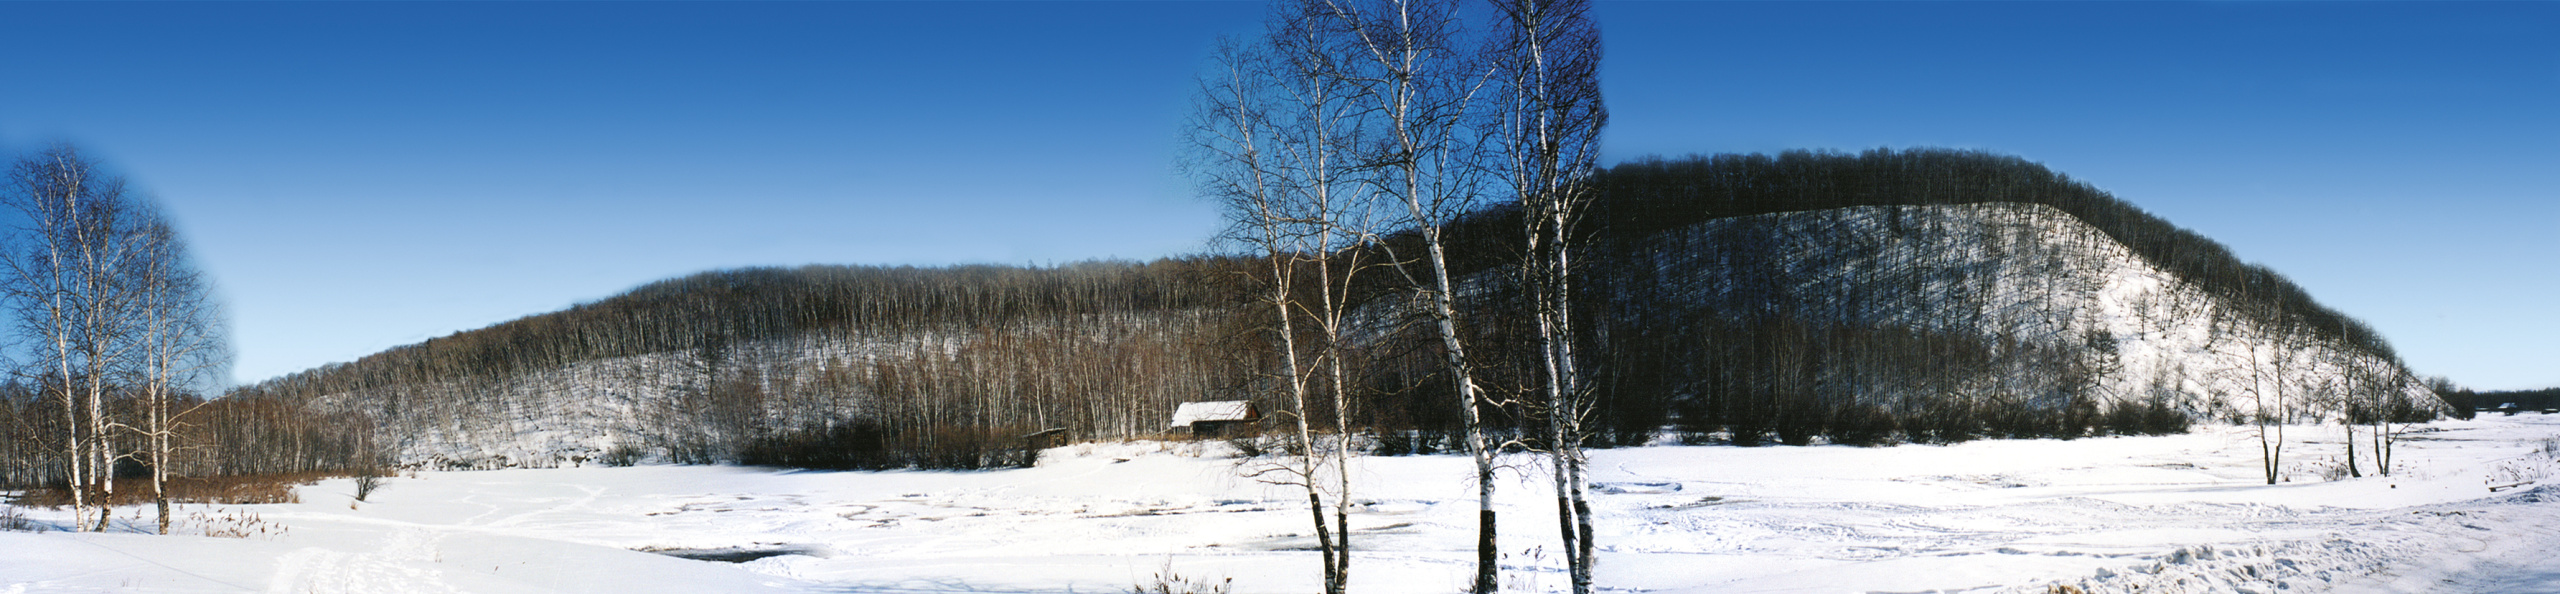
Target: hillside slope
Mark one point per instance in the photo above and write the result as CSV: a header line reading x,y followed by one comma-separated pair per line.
x,y
2016,305
1924,295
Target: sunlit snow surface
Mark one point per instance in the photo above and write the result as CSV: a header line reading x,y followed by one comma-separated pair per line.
x,y
2182,513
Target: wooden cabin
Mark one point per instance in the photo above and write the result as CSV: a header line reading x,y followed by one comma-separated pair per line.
x,y
1217,419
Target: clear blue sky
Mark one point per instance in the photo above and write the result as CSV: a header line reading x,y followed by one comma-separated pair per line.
x,y
364,175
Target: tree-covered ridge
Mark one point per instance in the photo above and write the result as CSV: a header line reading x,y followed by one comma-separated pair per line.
x,y
1786,298
1653,195
1637,200
717,308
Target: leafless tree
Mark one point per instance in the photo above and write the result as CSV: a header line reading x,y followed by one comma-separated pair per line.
x,y
2349,396
2266,393
1546,57
1235,162
1340,223
2273,354
1418,90
2390,402
63,280
180,342
1273,142
102,286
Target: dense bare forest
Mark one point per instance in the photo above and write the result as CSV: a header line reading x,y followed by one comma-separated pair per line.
x,y
774,365
1848,298
2045,300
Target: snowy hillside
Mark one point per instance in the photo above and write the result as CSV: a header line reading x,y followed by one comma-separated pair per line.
x,y
564,416
2468,508
2016,306
2022,273
583,412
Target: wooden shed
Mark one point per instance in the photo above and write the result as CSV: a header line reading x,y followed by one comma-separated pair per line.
x,y
1217,419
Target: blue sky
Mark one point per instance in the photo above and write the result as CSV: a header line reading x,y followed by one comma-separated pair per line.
x,y
364,175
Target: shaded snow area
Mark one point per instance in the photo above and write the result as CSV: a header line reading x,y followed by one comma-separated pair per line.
x,y
2186,513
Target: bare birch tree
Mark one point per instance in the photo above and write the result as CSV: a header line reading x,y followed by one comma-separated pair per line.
x,y
1419,89
66,284
1546,56
102,290
1337,221
42,188
180,340
1263,145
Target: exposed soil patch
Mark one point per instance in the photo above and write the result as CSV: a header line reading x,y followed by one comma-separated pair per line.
x,y
733,554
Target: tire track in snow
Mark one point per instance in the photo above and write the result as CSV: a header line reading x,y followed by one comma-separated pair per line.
x,y
592,493
402,566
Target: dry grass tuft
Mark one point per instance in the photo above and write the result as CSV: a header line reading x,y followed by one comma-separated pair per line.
x,y
13,519
1168,582
232,523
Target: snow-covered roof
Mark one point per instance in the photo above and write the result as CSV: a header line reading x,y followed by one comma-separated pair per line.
x,y
1222,410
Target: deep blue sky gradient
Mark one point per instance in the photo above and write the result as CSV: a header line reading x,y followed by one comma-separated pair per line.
x,y
364,175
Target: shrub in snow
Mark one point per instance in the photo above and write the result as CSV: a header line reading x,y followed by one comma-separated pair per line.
x,y
1416,442
367,484
1863,425
13,519
1945,420
622,455
2145,417
1799,421
1247,447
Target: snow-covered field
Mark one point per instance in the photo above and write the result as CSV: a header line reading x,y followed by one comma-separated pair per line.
x,y
2181,513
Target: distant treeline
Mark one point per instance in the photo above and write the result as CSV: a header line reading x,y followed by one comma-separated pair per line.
x,y
741,363
223,437
2531,400
716,309
1778,329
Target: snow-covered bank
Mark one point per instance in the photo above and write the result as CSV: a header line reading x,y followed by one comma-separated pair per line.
x,y
2183,513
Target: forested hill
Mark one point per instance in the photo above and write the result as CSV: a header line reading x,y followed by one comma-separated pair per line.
x,y
695,369
1923,294
713,310
1652,195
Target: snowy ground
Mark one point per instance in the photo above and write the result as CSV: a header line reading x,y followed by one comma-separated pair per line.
x,y
2182,513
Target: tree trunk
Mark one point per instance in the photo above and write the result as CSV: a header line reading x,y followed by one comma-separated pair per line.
x,y
1340,455
1566,386
72,454
1454,353
1307,470
106,474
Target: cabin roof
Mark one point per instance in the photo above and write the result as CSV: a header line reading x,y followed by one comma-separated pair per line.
x,y
1220,410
